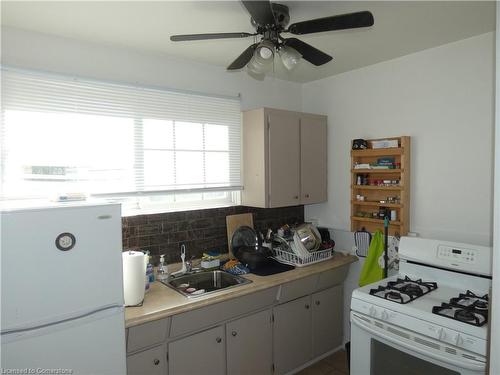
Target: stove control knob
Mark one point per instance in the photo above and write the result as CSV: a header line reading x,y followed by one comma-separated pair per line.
x,y
373,311
459,341
441,334
385,315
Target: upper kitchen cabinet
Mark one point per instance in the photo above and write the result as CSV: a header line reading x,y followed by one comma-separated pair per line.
x,y
284,158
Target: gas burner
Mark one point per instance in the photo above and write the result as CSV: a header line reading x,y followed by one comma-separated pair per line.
x,y
470,300
466,315
413,287
392,295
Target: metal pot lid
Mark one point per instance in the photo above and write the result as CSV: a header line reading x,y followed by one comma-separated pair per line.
x,y
244,236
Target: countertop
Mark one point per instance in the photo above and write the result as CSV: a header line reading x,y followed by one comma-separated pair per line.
x,y
162,301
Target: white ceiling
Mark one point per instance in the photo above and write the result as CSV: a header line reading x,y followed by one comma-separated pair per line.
x,y
400,28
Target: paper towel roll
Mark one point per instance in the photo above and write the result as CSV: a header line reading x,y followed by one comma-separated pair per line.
x,y
134,271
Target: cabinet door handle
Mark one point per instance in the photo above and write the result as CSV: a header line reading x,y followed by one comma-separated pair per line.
x,y
234,333
296,197
156,361
219,340
307,307
307,195
318,303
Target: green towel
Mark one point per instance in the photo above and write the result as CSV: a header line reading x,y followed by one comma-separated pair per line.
x,y
371,270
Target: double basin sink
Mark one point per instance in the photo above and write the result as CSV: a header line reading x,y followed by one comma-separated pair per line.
x,y
205,282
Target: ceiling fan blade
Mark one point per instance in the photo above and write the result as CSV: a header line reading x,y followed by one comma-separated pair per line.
x,y
261,11
243,59
339,22
308,52
182,38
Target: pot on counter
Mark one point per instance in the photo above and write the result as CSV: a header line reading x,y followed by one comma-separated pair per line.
x,y
248,249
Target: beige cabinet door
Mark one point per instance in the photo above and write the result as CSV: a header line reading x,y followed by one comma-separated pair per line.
x,y
327,320
249,345
292,334
313,159
284,158
149,362
201,353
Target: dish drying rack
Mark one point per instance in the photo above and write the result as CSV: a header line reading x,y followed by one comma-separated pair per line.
x,y
285,254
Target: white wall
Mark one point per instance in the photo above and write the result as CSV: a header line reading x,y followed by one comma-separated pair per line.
x,y
60,55
495,308
443,99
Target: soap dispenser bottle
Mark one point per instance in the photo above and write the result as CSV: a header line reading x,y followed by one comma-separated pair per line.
x,y
149,276
162,273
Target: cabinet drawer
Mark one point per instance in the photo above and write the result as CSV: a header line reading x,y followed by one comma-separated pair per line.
x,y
147,334
298,288
149,362
213,314
331,278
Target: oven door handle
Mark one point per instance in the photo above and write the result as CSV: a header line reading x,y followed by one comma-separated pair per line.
x,y
413,347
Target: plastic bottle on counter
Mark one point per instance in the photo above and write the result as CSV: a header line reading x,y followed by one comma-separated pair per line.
x,y
162,273
149,271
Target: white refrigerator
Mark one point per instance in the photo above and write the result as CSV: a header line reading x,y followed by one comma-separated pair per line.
x,y
62,306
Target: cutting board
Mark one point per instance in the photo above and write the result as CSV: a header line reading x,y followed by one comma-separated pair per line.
x,y
233,222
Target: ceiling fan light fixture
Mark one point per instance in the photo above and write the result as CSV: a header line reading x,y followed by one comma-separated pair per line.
x,y
259,66
290,57
262,59
265,51
270,20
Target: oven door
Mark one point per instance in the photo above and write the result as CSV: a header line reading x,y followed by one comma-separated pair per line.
x,y
376,350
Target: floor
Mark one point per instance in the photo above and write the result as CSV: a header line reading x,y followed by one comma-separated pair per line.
x,y
336,364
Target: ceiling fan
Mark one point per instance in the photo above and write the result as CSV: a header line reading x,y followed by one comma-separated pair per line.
x,y
270,20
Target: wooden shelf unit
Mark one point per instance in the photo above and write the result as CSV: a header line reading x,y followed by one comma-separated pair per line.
x,y
374,194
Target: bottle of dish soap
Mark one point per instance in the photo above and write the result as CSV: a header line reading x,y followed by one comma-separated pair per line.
x,y
162,273
150,277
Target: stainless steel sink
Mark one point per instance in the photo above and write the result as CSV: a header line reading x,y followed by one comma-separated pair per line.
x,y
209,281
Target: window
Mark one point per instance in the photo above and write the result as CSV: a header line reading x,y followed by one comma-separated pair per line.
x,y
147,147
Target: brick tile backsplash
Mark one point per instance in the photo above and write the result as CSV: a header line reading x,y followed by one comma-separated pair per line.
x,y
199,230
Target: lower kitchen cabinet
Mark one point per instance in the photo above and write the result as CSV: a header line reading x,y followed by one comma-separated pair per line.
x,y
292,334
249,345
327,320
307,327
149,362
269,332
201,353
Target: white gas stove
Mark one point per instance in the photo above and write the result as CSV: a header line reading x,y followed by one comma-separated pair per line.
x,y
432,317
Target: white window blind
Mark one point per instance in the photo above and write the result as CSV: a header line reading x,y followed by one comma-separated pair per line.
x,y
60,134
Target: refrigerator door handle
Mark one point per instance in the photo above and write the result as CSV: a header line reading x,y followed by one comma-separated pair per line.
x,y
10,335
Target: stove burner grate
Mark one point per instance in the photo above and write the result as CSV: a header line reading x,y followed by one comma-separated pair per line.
x,y
466,315
470,300
403,290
